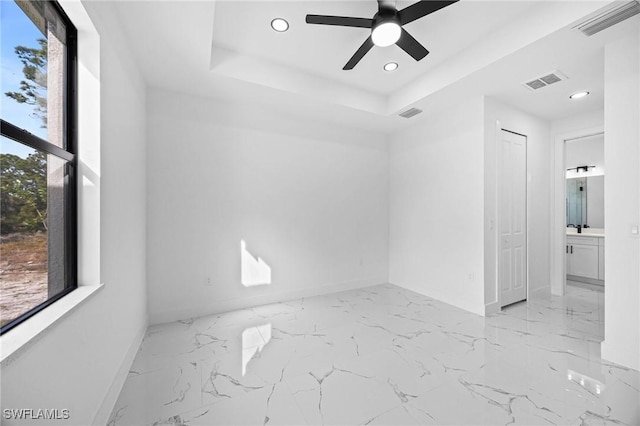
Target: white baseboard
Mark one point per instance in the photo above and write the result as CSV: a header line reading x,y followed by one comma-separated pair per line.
x,y
491,308
619,354
544,288
588,286
461,304
590,281
110,399
250,302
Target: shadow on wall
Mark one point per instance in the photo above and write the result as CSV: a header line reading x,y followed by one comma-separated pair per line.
x,y
254,271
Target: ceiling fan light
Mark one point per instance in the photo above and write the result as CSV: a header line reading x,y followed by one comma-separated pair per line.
x,y
386,34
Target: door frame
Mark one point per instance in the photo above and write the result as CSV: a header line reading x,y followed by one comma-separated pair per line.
x,y
558,237
498,217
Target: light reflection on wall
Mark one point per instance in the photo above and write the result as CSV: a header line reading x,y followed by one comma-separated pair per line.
x,y
254,271
254,339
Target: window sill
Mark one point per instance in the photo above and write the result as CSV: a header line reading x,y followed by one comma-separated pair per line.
x,y
28,332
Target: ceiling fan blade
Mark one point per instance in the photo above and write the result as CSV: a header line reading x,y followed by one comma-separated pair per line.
x,y
412,46
366,46
420,9
342,21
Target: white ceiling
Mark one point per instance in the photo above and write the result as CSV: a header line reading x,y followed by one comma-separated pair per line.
x,y
322,50
228,50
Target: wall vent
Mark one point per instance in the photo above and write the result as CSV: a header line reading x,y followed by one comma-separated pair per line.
x,y
545,80
410,112
609,18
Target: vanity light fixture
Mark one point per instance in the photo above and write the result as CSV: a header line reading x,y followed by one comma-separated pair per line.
x,y
579,95
280,25
391,66
581,168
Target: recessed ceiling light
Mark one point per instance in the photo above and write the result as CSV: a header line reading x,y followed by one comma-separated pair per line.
x,y
391,66
280,25
579,95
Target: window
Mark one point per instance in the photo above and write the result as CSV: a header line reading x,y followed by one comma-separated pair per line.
x,y
37,158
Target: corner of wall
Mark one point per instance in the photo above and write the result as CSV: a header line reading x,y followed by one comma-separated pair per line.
x,y
425,214
111,397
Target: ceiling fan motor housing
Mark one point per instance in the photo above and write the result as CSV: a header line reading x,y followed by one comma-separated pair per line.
x,y
385,15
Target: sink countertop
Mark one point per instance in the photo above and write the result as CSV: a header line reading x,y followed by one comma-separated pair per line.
x,y
586,232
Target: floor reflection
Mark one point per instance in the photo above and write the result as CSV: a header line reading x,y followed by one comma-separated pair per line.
x,y
254,339
383,355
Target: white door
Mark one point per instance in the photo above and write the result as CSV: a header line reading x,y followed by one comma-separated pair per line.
x,y
512,217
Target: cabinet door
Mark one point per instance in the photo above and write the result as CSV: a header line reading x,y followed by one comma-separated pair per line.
x,y
567,261
584,261
601,263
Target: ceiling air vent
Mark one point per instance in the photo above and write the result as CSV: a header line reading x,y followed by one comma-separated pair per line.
x,y
609,18
545,80
410,112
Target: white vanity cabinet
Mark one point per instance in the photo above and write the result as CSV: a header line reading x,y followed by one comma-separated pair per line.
x,y
585,258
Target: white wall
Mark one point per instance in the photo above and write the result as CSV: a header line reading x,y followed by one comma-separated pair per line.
x,y
595,201
75,362
308,198
578,123
622,201
436,206
587,151
502,116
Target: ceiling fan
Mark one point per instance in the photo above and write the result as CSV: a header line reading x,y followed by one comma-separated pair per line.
x,y
386,27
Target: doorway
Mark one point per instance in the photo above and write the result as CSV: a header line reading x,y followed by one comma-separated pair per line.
x,y
584,206
512,217
559,260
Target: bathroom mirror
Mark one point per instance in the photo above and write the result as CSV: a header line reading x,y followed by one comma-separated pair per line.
x,y
585,201
585,181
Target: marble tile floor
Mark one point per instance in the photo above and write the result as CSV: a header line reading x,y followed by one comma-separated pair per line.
x,y
382,355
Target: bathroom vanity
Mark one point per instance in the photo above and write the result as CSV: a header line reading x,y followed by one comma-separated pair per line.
x,y
584,257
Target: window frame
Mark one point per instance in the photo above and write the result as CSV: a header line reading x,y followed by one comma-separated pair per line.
x,y
69,154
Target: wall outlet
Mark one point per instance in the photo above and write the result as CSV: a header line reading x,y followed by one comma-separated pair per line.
x,y
207,281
